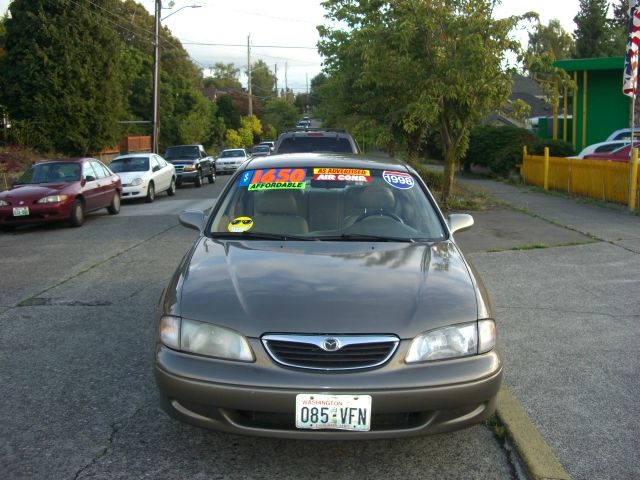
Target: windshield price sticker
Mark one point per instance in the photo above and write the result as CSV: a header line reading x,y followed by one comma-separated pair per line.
x,y
335,412
342,174
400,180
274,179
20,211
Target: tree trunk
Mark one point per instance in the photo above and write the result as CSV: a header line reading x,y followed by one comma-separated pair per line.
x,y
449,172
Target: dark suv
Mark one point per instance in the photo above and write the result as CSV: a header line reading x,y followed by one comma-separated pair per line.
x,y
316,140
192,164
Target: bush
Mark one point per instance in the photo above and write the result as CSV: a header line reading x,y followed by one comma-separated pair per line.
x,y
499,148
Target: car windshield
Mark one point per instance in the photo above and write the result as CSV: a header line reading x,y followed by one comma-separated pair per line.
x,y
232,153
185,151
300,144
261,148
51,172
129,164
327,204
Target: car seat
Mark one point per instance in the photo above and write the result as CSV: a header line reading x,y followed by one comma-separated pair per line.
x,y
276,211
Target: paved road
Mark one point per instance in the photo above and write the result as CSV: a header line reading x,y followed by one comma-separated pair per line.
x,y
78,396
564,282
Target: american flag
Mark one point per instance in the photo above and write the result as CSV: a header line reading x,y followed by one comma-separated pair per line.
x,y
630,80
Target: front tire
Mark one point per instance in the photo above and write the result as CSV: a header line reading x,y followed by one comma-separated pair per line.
x,y
76,219
198,180
172,188
151,193
114,207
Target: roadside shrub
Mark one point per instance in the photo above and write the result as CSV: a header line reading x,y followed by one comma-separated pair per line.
x,y
499,148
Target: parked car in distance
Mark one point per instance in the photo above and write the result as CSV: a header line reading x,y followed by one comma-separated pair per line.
x,y
192,164
316,140
260,151
58,190
621,154
342,308
303,124
624,134
230,159
601,147
270,143
144,175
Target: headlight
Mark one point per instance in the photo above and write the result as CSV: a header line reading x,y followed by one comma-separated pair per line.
x,y
3,203
453,342
204,339
136,181
189,168
53,199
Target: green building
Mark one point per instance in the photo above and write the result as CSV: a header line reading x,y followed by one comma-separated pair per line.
x,y
599,106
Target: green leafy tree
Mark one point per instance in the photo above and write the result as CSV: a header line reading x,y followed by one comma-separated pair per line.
x,y
263,81
225,75
592,35
280,114
60,76
417,66
228,112
551,40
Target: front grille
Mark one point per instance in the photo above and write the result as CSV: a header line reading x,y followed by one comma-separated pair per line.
x,y
330,352
179,168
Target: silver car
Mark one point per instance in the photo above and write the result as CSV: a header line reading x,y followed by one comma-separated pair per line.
x,y
325,298
230,159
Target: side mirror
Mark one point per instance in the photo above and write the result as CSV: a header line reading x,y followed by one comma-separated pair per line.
x,y
459,222
89,178
193,219
155,168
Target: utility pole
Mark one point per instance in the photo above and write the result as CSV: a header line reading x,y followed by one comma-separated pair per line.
x,y
156,77
249,74
286,83
276,77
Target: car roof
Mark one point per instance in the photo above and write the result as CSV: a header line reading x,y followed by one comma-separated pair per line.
x,y
299,160
135,154
67,160
234,150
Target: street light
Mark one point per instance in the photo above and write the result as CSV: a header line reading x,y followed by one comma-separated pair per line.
x,y
156,70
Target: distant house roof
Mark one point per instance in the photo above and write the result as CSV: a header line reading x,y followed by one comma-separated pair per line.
x,y
525,85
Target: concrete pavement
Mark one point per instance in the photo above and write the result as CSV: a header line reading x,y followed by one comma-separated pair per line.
x,y
563,276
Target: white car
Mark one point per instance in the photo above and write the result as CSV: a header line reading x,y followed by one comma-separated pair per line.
x,y
602,147
144,175
230,159
624,134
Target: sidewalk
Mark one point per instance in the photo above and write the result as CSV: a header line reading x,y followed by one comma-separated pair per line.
x,y
563,276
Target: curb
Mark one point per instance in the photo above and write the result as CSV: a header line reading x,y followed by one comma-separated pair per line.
x,y
538,458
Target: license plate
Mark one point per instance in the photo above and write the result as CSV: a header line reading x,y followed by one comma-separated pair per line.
x,y
335,412
20,211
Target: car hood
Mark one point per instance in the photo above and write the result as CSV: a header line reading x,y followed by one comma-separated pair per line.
x,y
128,177
256,287
34,191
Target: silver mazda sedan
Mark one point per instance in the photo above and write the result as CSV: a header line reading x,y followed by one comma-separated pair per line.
x,y
325,298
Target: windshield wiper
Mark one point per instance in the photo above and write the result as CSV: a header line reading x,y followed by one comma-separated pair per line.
x,y
360,237
260,236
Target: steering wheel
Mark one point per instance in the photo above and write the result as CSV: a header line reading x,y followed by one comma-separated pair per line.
x,y
378,213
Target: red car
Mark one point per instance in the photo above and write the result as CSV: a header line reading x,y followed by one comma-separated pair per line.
x,y
619,155
61,190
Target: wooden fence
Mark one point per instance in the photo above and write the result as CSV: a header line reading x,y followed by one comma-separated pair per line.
x,y
600,179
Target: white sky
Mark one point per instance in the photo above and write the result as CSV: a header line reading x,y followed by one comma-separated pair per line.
x,y
287,23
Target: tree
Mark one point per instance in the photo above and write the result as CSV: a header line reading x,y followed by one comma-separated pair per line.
x,y
619,27
228,112
280,114
416,66
60,76
592,35
263,81
550,39
225,75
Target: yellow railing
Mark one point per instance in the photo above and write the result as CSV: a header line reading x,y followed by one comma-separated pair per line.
x,y
600,179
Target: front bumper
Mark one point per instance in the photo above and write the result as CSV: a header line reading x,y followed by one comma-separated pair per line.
x,y
406,400
187,176
129,192
226,167
37,213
